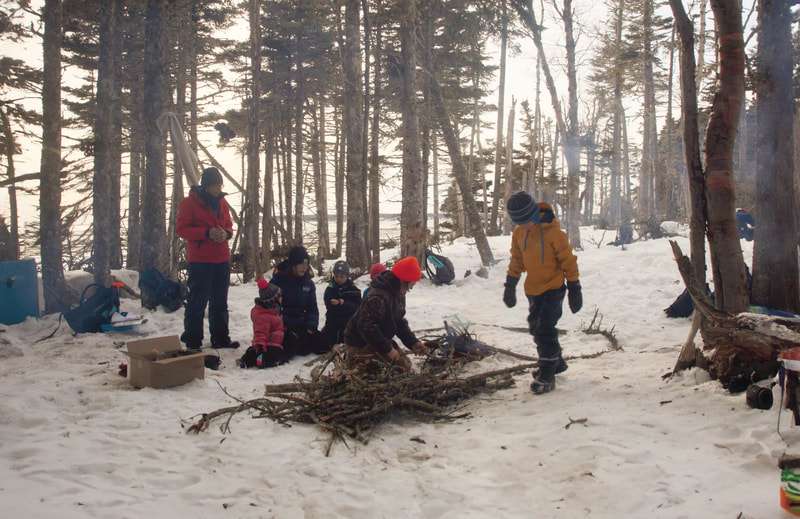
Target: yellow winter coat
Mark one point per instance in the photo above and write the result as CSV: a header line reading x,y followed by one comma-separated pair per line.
x,y
543,251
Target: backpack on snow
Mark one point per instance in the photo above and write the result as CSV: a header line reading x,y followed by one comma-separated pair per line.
x,y
439,268
95,311
157,289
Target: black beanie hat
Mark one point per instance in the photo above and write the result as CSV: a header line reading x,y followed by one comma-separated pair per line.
x,y
522,208
211,177
341,268
297,255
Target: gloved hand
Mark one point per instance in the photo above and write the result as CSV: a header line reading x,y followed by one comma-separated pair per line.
x,y
575,296
510,293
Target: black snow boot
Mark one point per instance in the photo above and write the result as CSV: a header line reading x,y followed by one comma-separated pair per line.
x,y
544,380
561,367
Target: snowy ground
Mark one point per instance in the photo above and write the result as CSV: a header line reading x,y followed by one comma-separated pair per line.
x,y
77,441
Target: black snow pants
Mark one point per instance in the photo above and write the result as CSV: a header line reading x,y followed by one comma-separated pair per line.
x,y
544,312
208,285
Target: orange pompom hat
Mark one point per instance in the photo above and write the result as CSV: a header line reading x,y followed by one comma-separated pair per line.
x,y
407,270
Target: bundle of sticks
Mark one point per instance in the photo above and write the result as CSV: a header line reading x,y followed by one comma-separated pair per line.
x,y
350,402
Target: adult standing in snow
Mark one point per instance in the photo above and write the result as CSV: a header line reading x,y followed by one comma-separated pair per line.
x,y
204,221
300,311
381,316
540,248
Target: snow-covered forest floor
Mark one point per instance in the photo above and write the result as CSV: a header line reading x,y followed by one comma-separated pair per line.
x,y
77,441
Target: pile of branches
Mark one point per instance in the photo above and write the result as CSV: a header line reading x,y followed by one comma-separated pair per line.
x,y
350,402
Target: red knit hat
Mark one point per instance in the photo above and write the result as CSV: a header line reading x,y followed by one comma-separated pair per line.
x,y
376,270
407,270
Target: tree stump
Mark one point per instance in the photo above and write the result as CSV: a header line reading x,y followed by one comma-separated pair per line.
x,y
736,345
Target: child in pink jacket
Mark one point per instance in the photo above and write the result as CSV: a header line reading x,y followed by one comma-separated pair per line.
x,y
266,350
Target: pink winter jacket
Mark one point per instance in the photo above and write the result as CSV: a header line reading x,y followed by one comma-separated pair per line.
x,y
267,327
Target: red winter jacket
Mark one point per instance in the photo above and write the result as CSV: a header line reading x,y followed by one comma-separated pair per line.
x,y
267,328
195,219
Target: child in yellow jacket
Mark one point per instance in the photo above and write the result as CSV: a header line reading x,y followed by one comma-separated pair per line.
x,y
540,248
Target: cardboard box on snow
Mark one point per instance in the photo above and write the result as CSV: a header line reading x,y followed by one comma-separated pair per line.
x,y
146,369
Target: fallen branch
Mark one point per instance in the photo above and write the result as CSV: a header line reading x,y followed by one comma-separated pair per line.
x,y
596,328
572,422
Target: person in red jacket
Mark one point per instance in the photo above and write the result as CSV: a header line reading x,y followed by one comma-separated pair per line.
x,y
267,348
204,221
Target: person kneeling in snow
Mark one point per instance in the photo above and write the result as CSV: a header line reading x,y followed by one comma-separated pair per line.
x,y
540,248
267,348
342,299
381,316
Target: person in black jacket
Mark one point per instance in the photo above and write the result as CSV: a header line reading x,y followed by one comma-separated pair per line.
x,y
382,316
342,299
300,311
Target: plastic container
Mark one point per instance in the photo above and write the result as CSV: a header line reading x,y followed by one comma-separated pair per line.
x,y
790,484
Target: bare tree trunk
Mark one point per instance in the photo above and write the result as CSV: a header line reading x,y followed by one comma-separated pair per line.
x,y
591,164
341,142
115,157
368,30
626,166
267,214
194,14
357,254
56,294
136,109
694,169
10,149
287,171
299,180
425,119
615,202
251,217
572,152
374,166
775,273
183,16
460,173
435,150
153,203
279,180
320,186
498,155
654,201
726,252
323,175
701,47
412,230
510,187
549,191
675,200
539,157
103,132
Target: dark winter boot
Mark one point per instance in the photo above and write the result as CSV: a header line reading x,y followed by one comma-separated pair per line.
x,y
225,345
544,380
561,367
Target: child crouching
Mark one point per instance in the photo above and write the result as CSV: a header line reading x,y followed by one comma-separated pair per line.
x,y
266,350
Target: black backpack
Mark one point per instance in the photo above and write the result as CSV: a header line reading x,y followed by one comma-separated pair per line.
x,y
91,313
440,269
157,289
